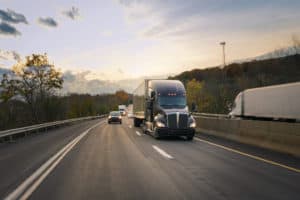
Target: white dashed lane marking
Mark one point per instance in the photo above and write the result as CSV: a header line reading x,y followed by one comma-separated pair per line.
x,y
138,133
162,152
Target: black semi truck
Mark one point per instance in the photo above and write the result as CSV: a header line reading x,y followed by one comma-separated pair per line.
x,y
160,107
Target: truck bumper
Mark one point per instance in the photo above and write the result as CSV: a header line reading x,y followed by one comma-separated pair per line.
x,y
167,132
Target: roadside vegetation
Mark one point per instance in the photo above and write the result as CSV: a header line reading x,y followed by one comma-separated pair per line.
x,y
213,90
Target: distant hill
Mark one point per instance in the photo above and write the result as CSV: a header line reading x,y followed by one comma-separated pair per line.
x,y
222,85
278,53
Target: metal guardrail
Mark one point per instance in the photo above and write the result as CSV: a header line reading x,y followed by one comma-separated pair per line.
x,y
210,115
12,132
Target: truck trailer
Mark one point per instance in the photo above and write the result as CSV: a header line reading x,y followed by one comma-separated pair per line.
x,y
160,107
122,109
277,102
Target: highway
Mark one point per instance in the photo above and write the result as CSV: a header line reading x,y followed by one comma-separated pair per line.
x,y
96,160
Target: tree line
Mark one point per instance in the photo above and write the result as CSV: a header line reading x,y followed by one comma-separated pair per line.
x,y
29,94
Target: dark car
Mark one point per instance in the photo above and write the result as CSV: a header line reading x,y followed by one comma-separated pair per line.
x,y
115,116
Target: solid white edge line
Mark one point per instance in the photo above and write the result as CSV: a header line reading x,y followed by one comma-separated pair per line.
x,y
25,184
36,184
138,133
162,152
250,156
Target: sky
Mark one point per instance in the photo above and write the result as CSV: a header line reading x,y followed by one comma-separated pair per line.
x,y
114,40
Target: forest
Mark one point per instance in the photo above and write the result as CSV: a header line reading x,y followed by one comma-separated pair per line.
x,y
213,90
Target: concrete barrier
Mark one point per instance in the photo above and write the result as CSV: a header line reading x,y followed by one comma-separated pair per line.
x,y
277,136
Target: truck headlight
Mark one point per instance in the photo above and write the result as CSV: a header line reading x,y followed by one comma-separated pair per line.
x,y
193,124
160,124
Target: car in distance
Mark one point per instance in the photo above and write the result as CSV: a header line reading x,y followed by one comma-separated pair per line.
x,y
114,116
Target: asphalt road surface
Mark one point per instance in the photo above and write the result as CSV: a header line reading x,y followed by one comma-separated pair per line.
x,y
96,160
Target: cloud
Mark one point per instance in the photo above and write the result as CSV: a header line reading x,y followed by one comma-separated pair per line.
x,y
79,83
10,55
120,71
107,33
8,30
47,21
73,13
11,16
200,17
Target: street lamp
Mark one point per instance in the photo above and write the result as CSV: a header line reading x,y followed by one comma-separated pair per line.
x,y
223,46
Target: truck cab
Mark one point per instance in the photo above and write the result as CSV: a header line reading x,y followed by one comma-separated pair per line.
x,y
165,111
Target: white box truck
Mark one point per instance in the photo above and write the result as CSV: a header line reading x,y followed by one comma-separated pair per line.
x,y
277,102
122,109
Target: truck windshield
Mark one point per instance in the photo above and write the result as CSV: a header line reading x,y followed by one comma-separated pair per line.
x,y
172,101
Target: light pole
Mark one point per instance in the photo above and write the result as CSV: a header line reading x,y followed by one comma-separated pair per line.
x,y
223,46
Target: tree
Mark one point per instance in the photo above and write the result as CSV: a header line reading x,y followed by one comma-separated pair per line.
x,y
33,81
122,97
193,88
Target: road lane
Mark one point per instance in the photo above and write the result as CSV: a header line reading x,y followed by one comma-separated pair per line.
x,y
114,162
107,165
230,174
18,160
28,186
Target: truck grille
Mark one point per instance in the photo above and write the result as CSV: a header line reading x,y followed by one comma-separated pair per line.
x,y
172,120
183,121
177,120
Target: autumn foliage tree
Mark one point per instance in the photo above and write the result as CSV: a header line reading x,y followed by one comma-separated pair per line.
x,y
34,81
122,96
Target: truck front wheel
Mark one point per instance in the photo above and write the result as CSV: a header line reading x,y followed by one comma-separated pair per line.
x,y
156,135
189,138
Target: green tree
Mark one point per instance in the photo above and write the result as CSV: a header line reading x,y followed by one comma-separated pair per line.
x,y
193,88
34,80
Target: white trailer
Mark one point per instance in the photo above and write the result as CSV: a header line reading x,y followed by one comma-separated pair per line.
x,y
273,102
122,109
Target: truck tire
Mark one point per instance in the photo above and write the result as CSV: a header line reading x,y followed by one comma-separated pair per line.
x,y
189,138
155,134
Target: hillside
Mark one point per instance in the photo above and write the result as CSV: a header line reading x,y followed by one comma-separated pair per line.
x,y
222,85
